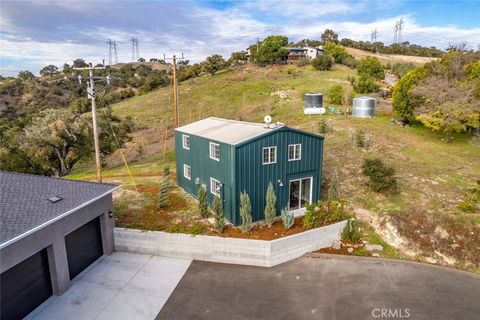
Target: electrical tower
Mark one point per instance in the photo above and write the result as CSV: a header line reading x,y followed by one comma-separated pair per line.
x,y
92,95
397,37
112,51
373,36
176,121
135,54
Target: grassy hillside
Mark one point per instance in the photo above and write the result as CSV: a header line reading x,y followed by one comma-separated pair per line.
x,y
421,222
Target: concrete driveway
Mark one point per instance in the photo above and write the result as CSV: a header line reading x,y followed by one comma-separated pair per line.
x,y
324,287
120,286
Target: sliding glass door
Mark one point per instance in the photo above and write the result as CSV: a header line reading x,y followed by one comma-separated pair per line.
x,y
300,193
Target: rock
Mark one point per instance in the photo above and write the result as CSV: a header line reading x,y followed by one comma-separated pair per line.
x,y
373,247
376,255
336,244
442,233
350,250
455,246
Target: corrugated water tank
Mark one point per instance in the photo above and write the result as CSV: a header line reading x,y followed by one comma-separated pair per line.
x,y
364,107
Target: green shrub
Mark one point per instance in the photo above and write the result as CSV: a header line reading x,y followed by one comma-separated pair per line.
x,y
371,67
245,212
338,52
287,218
351,232
162,200
197,228
270,211
335,94
310,219
365,84
218,214
302,62
349,62
472,199
360,139
333,192
324,62
382,176
323,126
166,174
401,68
202,202
175,228
403,100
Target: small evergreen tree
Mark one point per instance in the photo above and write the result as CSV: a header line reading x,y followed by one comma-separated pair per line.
x,y
166,175
162,200
270,211
245,212
351,232
218,214
334,187
202,202
287,218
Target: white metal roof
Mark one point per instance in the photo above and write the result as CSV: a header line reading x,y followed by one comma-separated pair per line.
x,y
227,131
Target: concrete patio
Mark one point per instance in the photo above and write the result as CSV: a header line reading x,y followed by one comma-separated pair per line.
x,y
120,286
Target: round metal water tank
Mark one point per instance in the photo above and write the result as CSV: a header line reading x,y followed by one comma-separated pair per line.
x,y
313,100
364,107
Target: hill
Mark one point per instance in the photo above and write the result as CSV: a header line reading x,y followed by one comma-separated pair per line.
x,y
421,222
390,58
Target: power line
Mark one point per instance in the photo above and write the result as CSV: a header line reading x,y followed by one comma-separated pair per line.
x,y
135,54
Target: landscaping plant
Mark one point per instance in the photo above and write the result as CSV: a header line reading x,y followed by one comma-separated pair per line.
x,y
270,211
218,214
245,212
323,212
333,192
323,126
162,200
166,173
287,218
382,176
335,94
351,232
310,220
202,202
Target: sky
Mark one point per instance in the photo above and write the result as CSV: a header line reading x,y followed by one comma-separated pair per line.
x,y
37,33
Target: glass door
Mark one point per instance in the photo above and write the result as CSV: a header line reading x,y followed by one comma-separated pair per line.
x,y
300,193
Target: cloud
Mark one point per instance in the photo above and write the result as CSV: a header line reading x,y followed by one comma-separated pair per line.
x,y
34,34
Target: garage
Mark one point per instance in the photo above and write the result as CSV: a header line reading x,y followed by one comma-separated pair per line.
x,y
25,286
51,229
84,246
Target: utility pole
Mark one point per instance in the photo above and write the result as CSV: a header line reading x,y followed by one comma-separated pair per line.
x,y
91,94
176,120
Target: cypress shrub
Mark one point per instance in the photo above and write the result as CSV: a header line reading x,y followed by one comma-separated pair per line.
x,y
162,200
218,214
351,232
270,211
287,218
245,212
202,202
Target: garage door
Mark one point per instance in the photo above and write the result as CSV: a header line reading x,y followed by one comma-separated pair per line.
x,y
25,286
84,246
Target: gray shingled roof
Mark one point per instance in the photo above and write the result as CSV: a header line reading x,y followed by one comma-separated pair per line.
x,y
24,203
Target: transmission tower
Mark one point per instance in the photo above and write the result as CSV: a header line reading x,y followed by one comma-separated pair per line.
x,y
397,37
135,54
373,36
112,51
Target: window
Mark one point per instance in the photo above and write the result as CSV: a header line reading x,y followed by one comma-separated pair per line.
x,y
269,155
294,152
215,186
214,151
186,142
187,172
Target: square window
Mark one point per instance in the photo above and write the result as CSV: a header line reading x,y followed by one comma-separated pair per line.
x,y
187,172
214,151
269,155
294,152
215,186
186,142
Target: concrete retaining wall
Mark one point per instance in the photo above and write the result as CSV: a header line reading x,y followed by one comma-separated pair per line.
x,y
227,250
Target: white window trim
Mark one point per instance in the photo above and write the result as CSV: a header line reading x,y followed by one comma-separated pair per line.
x,y
299,152
184,145
185,166
211,189
210,151
263,152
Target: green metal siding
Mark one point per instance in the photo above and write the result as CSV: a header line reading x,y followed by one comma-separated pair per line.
x,y
253,176
240,168
204,168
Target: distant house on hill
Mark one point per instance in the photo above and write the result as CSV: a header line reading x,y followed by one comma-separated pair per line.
x,y
229,157
296,53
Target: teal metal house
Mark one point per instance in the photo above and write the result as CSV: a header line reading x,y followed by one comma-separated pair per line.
x,y
229,157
